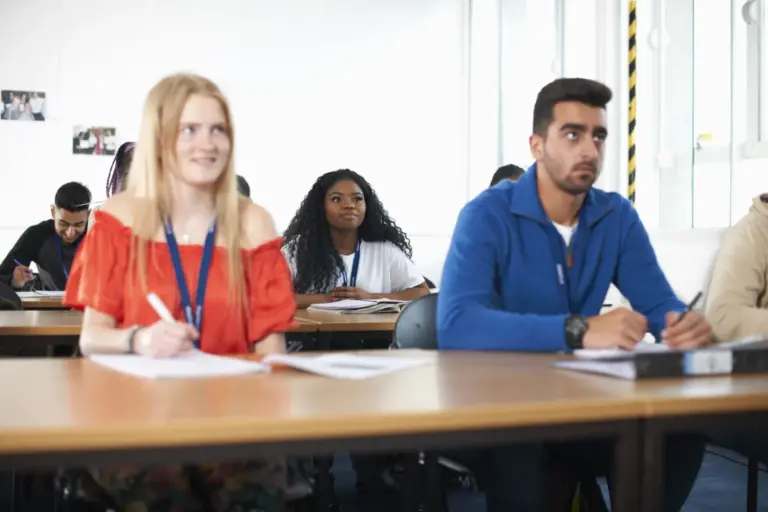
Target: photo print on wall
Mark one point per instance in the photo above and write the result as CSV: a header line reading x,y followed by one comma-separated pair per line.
x,y
22,105
94,140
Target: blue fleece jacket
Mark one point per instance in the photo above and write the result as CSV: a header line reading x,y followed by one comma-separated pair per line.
x,y
506,284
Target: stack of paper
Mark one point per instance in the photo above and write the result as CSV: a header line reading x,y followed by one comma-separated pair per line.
x,y
346,366
618,353
352,306
192,364
41,293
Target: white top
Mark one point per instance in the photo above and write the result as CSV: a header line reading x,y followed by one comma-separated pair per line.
x,y
383,268
565,231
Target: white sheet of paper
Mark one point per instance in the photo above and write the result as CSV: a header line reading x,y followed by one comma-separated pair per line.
x,y
190,365
346,304
347,366
612,353
40,293
620,369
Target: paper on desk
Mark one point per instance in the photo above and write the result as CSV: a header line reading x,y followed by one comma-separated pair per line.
x,y
190,365
346,366
40,293
354,304
613,353
621,369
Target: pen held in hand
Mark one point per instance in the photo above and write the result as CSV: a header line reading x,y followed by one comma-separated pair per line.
x,y
18,263
690,306
160,308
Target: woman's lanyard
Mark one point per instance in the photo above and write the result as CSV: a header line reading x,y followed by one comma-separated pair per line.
x,y
355,264
202,280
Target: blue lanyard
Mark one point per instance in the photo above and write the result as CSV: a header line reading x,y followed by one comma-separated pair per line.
x,y
202,280
355,264
61,256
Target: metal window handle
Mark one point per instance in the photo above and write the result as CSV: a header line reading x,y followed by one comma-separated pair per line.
x,y
749,12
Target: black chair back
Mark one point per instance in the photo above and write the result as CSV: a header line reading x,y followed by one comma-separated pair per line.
x,y
416,327
8,298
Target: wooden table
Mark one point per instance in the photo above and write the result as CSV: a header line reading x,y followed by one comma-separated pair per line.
x,y
334,322
74,413
699,405
69,323
42,302
41,323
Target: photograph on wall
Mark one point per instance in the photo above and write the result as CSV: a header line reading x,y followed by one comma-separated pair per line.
x,y
22,105
94,140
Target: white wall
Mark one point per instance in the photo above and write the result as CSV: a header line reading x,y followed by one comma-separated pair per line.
x,y
314,86
423,97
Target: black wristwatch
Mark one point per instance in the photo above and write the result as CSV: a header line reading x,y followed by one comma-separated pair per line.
x,y
131,339
575,328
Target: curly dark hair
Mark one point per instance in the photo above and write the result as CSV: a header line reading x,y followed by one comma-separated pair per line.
x,y
308,237
118,172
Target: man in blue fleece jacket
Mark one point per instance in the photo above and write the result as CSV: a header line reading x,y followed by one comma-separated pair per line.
x,y
530,264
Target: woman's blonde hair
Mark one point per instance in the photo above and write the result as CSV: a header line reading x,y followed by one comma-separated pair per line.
x,y
153,158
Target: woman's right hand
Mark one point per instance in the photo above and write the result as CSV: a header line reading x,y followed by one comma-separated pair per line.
x,y
21,276
165,339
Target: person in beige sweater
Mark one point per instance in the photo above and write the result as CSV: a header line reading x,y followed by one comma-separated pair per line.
x,y
737,299
737,303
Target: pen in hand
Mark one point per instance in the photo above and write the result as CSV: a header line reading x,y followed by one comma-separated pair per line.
x,y
160,308
690,306
165,315
18,263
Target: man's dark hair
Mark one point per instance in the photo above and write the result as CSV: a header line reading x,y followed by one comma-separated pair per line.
x,y
243,187
581,90
507,172
73,196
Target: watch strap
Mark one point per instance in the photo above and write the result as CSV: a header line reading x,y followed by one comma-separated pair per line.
x,y
131,339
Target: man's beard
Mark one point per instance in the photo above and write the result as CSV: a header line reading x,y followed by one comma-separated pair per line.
x,y
568,184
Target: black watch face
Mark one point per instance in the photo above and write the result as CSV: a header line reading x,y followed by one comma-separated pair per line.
x,y
577,326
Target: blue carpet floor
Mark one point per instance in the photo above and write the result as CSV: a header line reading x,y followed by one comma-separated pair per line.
x,y
721,487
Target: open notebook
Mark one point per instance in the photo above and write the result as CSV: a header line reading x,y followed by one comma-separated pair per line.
x,y
359,307
197,364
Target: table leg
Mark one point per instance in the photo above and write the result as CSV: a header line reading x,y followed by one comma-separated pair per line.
x,y
625,494
653,467
435,499
324,488
413,483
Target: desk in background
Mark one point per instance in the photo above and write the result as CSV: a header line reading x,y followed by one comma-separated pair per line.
x,y
69,322
35,302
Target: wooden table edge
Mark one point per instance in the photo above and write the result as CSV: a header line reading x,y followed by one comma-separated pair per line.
x,y
690,406
239,430
49,330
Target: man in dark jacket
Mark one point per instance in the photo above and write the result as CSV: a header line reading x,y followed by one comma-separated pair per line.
x,y
51,244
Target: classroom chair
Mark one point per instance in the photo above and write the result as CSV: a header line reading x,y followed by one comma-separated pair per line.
x,y
416,328
8,298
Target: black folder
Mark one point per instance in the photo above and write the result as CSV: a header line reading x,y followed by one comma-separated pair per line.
x,y
727,359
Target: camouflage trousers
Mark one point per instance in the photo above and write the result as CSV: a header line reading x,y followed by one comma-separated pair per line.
x,y
253,486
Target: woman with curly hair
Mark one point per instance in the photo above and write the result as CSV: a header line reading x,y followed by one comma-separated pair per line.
x,y
342,244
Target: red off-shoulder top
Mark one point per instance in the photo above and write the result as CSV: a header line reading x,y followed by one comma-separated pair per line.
x,y
100,279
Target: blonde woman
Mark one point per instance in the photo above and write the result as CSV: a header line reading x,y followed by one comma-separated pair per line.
x,y
182,231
